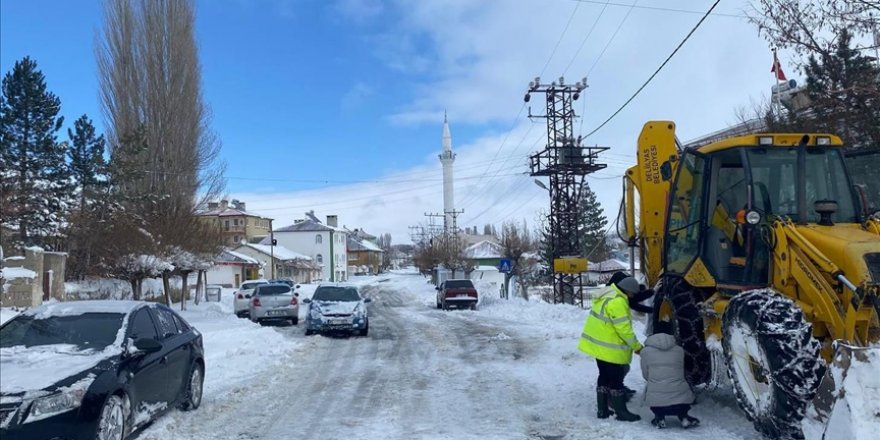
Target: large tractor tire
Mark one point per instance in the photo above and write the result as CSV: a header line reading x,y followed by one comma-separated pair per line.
x,y
772,359
677,302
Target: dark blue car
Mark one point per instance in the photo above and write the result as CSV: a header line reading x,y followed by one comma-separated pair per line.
x,y
96,369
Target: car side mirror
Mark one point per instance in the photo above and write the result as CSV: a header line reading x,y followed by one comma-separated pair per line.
x,y
148,345
307,301
368,300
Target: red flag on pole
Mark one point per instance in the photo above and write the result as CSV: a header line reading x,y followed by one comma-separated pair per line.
x,y
777,68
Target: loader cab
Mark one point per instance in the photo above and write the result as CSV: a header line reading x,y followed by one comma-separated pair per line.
x,y
725,195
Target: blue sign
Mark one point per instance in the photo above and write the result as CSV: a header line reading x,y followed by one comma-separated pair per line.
x,y
505,265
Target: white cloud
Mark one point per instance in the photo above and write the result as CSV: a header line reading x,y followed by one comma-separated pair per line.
x,y
489,191
475,59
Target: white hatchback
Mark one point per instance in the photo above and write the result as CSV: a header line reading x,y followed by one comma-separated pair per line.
x,y
241,304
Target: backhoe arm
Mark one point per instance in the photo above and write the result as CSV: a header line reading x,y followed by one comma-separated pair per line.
x,y
650,179
800,266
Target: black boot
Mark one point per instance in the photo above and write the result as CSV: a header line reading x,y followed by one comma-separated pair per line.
x,y
688,422
618,402
659,422
602,402
629,392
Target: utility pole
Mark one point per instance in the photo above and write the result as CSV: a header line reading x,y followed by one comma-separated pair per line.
x,y
565,161
272,249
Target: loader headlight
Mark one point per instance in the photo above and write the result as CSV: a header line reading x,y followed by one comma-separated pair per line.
x,y
753,217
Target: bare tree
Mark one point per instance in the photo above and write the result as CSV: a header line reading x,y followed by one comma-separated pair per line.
x,y
812,27
150,82
517,241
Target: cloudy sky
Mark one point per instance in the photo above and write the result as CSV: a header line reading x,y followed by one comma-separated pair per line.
x,y
337,106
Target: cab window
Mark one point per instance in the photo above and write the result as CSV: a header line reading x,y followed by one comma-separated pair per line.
x,y
685,219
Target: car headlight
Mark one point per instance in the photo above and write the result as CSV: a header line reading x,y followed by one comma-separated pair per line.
x,y
315,312
45,407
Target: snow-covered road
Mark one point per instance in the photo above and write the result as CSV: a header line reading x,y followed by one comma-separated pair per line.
x,y
507,371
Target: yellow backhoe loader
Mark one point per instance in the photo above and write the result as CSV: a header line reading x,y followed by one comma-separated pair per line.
x,y
764,261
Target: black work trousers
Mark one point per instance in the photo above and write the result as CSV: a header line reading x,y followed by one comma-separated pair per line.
x,y
680,410
611,375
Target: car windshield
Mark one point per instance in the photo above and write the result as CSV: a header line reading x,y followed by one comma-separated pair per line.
x,y
272,290
336,294
87,331
252,285
459,284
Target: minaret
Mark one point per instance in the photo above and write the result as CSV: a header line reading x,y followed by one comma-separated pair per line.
x,y
447,157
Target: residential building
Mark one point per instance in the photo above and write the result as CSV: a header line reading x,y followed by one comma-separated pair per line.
x,y
236,223
364,256
287,263
484,253
231,268
324,243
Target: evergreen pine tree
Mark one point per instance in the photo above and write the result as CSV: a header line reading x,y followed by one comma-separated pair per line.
x,y
32,160
86,154
591,225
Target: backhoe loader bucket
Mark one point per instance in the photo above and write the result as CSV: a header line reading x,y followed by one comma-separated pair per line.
x,y
846,404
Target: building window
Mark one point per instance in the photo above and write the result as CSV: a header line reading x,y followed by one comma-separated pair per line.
x,y
352,257
236,239
226,224
319,258
319,239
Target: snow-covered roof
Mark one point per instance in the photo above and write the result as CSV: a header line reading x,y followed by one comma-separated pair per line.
x,y
611,265
73,308
230,255
486,268
309,226
229,212
358,244
484,249
280,252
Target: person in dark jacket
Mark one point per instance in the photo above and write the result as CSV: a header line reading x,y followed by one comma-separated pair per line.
x,y
666,390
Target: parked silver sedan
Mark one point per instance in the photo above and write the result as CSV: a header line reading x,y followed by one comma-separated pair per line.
x,y
274,302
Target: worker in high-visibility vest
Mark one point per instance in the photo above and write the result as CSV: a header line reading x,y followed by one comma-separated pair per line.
x,y
609,338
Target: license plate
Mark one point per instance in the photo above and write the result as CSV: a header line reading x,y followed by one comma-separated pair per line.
x,y
339,321
276,312
463,296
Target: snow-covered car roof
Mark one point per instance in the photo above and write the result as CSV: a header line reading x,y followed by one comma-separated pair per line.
x,y
73,308
338,285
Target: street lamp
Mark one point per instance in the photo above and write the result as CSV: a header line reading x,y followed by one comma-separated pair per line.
x,y
541,184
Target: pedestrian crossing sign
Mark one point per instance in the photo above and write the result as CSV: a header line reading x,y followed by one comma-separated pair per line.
x,y
505,265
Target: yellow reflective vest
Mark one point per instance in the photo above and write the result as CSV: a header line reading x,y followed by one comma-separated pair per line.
x,y
608,333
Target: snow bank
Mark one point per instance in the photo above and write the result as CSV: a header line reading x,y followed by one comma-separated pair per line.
x,y
11,273
236,350
856,415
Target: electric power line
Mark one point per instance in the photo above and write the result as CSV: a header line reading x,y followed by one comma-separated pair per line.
x,y
688,36
663,9
584,41
561,36
619,26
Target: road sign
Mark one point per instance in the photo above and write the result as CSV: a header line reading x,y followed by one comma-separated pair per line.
x,y
505,265
570,265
